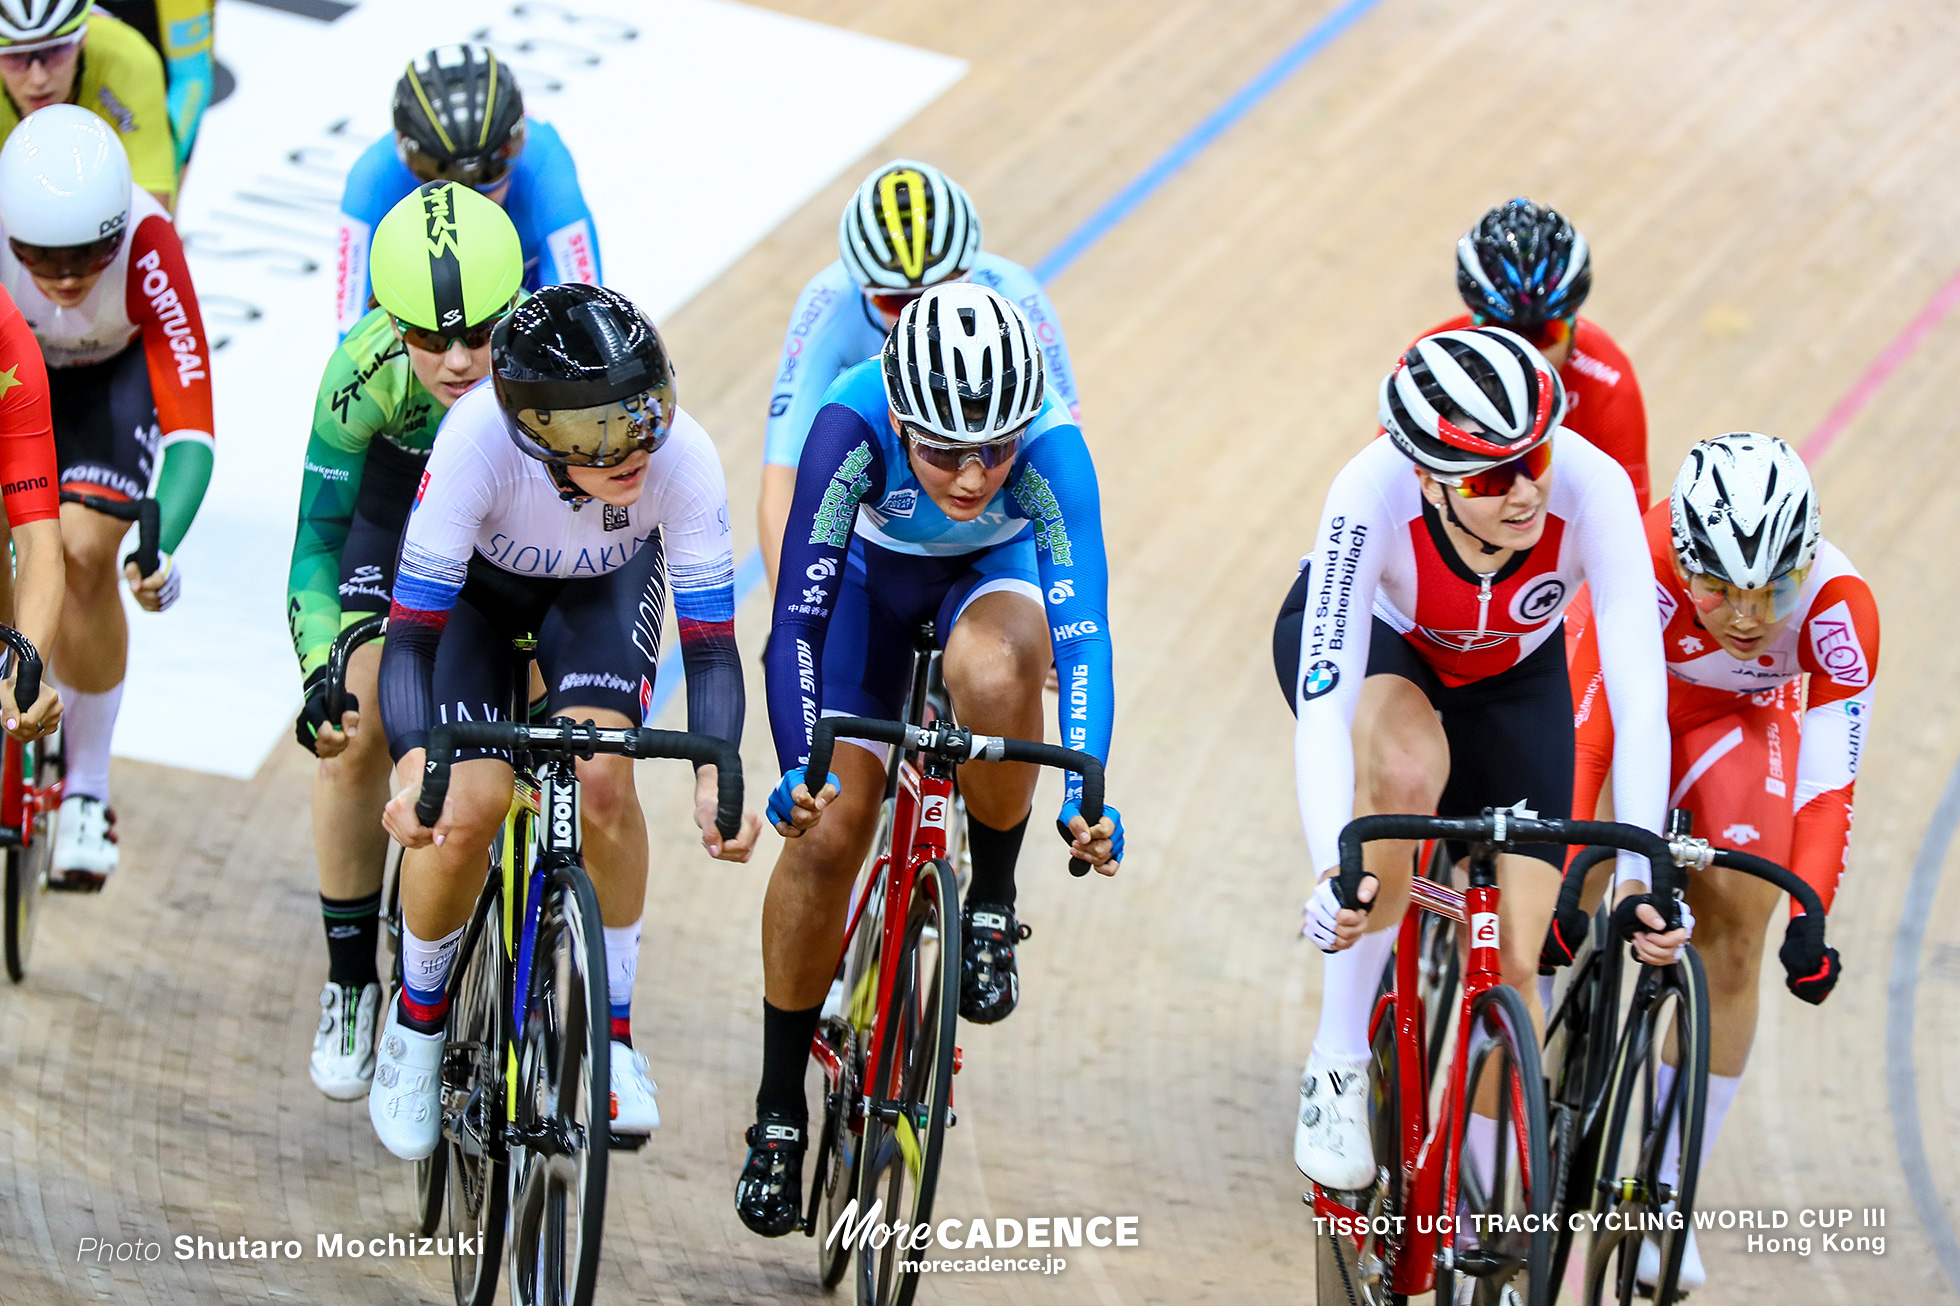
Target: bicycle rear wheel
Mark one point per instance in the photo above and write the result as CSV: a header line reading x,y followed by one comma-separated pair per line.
x,y
911,1088
1669,1013
560,1139
1506,1252
469,1166
28,865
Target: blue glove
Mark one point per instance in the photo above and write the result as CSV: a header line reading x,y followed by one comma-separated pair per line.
x,y
1073,808
781,803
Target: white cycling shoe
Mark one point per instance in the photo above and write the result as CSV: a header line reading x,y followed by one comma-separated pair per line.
x,y
633,1108
1692,1273
343,1046
405,1102
1331,1144
85,849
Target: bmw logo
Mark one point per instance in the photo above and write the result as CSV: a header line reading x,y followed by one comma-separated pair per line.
x,y
1321,677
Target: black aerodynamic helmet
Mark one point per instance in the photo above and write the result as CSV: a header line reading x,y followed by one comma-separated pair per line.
x,y
583,378
1522,266
459,117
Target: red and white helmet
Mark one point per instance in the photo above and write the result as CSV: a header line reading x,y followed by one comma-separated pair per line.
x,y
1463,401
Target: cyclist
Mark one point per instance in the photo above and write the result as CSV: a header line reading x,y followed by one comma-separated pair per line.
x,y
445,253
180,32
1771,639
556,501
942,482
97,271
1526,269
908,227
1431,677
33,591
459,116
59,52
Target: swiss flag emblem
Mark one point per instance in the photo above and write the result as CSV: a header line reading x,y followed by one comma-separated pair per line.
x,y
646,699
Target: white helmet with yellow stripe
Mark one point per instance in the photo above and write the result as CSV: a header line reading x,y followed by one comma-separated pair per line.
x,y
908,226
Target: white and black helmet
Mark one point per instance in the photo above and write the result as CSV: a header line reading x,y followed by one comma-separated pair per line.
x,y
28,25
1744,510
1463,401
909,225
961,364
64,180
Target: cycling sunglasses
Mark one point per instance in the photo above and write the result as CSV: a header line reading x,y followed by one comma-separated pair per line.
x,y
1554,331
48,56
482,173
1495,481
439,342
1709,593
949,457
66,262
893,302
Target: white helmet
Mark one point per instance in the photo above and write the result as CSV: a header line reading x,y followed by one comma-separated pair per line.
x,y
27,25
961,364
1463,401
1744,511
909,225
64,179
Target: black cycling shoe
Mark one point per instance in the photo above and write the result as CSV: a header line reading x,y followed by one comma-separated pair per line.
x,y
769,1195
989,986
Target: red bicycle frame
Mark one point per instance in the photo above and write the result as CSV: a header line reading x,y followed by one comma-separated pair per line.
x,y
21,802
1429,1182
919,812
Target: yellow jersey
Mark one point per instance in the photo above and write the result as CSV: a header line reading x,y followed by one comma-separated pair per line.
x,y
120,80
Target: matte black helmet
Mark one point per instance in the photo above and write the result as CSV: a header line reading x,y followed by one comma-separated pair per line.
x,y
582,377
1522,266
459,117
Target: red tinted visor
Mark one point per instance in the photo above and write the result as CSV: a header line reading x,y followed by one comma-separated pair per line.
x,y
56,262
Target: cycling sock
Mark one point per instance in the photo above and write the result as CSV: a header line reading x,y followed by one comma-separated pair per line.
x,y
1480,1158
786,1039
425,978
352,924
1545,983
622,965
994,854
88,725
1348,984
1721,1096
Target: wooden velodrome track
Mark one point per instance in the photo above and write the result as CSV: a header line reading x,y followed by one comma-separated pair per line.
x,y
1767,188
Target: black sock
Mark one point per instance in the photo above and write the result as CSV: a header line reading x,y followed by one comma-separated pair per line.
x,y
786,1039
994,854
352,924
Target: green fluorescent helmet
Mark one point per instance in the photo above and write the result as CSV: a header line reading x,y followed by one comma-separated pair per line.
x,y
445,258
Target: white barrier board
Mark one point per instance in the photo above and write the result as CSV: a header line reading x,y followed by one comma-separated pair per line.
x,y
698,126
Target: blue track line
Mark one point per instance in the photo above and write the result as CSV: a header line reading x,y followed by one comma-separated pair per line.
x,y
1099,224
1901,991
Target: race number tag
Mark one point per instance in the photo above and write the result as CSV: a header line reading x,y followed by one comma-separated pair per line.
x,y
1483,930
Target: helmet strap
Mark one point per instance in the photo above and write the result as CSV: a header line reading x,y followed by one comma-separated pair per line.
x,y
1449,511
568,491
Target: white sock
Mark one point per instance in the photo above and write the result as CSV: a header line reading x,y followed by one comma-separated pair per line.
x,y
1349,981
1721,1096
1480,1147
88,726
1545,983
425,965
622,965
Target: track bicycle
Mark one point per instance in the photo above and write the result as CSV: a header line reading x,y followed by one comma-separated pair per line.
x,y
1430,1220
1610,1121
30,802
526,1079
889,1051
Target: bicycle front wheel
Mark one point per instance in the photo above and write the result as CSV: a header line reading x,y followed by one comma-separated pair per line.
x,y
1503,1245
561,1134
1669,1018
469,1166
27,866
911,1088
